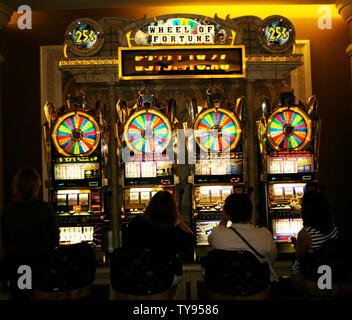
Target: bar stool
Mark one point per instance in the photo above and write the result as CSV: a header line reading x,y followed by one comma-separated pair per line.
x,y
335,254
236,275
141,274
66,273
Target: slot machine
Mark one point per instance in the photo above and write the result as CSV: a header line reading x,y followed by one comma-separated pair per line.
x,y
77,139
288,140
145,146
220,163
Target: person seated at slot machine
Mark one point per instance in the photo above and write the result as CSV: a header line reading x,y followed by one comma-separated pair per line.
x,y
238,209
318,226
161,228
28,228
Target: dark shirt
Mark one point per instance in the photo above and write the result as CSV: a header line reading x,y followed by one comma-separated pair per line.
x,y
142,234
29,229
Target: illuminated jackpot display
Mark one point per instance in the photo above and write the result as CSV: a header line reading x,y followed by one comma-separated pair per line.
x,y
183,62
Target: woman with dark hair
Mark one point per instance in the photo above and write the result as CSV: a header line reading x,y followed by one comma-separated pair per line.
x,y
161,229
28,227
238,210
318,227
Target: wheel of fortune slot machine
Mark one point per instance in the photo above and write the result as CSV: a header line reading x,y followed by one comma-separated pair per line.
x,y
78,156
289,139
220,162
147,166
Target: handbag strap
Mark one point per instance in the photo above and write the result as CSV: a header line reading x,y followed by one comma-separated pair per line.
x,y
247,243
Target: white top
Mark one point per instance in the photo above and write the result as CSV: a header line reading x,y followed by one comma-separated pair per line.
x,y
261,239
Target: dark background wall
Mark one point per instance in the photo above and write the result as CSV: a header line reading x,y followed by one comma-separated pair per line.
x,y
21,109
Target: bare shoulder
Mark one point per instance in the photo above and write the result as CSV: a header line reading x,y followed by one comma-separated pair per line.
x,y
303,234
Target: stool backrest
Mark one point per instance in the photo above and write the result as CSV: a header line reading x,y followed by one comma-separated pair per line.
x,y
235,273
334,253
66,268
140,271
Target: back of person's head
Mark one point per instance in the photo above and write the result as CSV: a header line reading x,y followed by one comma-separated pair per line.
x,y
162,210
26,184
315,211
239,207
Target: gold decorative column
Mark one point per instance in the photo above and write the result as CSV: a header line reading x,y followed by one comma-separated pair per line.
x,y
344,8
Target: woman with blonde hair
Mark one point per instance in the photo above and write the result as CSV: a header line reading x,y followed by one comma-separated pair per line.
x,y
28,226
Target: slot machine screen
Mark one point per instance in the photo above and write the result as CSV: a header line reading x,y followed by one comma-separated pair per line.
x,y
132,170
72,235
145,196
148,169
279,193
203,229
76,234
61,200
219,167
287,192
282,165
77,200
284,229
134,197
76,171
72,199
84,199
138,198
212,195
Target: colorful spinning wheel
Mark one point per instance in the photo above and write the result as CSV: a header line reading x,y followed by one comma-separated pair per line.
x,y
289,128
217,129
147,130
75,133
